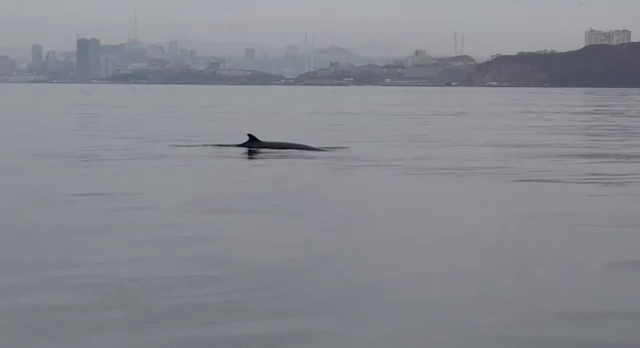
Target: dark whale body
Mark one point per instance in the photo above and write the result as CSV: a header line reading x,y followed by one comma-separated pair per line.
x,y
254,143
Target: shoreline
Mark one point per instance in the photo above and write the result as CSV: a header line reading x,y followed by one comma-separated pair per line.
x,y
298,85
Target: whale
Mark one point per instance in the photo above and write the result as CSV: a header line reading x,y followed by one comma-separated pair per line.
x,y
254,143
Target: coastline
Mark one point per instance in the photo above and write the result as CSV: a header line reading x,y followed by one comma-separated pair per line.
x,y
304,85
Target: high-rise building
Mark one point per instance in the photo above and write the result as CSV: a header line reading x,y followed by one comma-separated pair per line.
x,y
420,57
108,65
173,48
612,37
88,59
37,58
52,60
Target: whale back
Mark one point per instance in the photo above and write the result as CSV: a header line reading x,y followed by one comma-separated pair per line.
x,y
254,143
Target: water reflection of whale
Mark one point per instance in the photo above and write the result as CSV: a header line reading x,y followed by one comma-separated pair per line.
x,y
254,154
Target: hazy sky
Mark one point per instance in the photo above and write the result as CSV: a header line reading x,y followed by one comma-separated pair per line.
x,y
490,26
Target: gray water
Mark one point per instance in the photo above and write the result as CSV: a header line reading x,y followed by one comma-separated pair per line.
x,y
455,217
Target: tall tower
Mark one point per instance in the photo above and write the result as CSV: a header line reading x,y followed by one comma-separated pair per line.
x,y
135,25
306,53
455,43
313,48
134,33
462,44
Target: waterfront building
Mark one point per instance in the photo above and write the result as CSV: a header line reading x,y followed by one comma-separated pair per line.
x,y
612,37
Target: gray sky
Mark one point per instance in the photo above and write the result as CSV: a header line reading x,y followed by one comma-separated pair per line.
x,y
490,26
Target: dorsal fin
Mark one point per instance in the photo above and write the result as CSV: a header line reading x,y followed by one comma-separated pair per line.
x,y
253,138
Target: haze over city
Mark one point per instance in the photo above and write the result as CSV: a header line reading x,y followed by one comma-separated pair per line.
x,y
336,173
490,26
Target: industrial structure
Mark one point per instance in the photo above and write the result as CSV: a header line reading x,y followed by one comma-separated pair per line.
x,y
458,50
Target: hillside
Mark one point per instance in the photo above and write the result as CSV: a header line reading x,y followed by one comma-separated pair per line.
x,y
590,66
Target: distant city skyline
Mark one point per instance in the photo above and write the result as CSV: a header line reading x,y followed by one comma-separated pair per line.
x,y
490,26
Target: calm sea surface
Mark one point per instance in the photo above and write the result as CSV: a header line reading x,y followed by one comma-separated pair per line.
x,y
454,218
